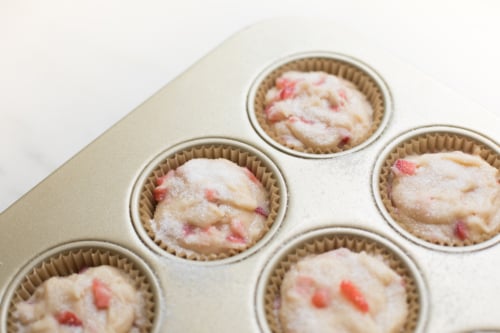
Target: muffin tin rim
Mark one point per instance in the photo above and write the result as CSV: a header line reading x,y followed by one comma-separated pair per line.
x,y
405,136
202,141
51,252
295,240
353,61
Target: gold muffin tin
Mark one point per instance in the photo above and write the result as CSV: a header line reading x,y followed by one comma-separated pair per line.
x,y
90,202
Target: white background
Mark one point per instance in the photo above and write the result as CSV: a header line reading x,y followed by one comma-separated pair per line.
x,y
71,69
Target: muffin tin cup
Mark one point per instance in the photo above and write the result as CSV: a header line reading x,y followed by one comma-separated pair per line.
x,y
143,204
432,139
72,258
350,69
323,240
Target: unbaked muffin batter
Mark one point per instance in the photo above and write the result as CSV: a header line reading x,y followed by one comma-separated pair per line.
x,y
210,206
100,299
342,292
447,197
317,110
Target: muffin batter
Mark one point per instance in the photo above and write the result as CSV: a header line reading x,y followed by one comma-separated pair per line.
x,y
100,299
210,206
447,197
317,110
342,292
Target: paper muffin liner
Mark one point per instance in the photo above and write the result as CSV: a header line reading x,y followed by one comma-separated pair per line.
x,y
72,260
444,140
231,151
349,69
356,241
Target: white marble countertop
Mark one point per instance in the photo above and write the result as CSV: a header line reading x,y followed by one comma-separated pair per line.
x,y
69,70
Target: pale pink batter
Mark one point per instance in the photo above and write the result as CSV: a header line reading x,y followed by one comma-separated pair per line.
x,y
342,292
100,299
447,197
210,206
317,110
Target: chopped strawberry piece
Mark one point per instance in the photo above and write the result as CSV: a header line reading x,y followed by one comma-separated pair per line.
x,y
343,94
251,176
238,232
261,211
68,318
334,108
461,230
304,285
237,228
159,193
354,295
188,229
344,140
102,294
282,82
161,180
211,195
287,92
406,167
321,298
236,239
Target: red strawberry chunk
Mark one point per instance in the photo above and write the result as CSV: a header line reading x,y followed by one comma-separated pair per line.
x,y
102,294
238,232
282,82
461,230
287,92
211,195
188,229
334,108
237,228
159,193
321,298
406,167
344,140
68,318
261,211
354,295
236,239
343,94
161,180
